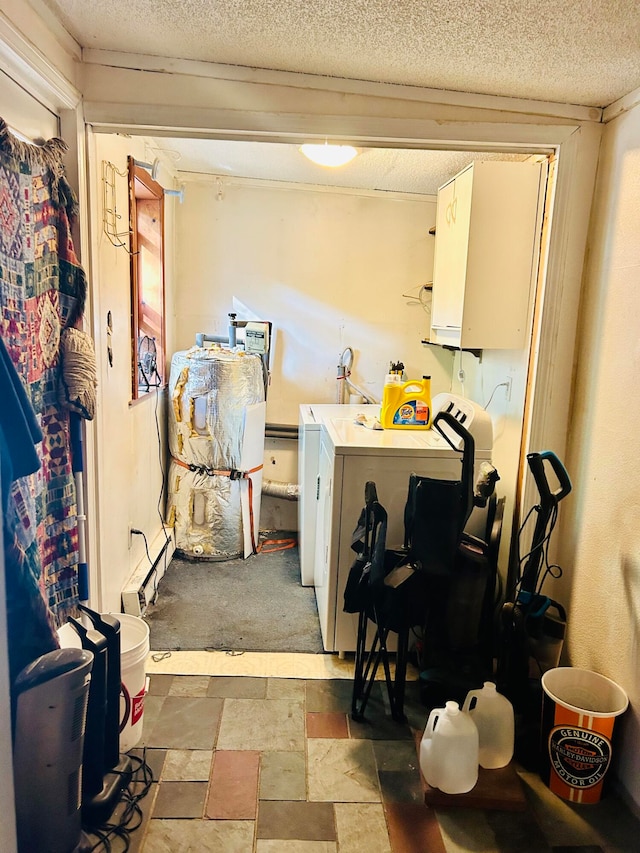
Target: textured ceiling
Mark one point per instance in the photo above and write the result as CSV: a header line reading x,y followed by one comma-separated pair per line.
x,y
569,51
572,51
373,169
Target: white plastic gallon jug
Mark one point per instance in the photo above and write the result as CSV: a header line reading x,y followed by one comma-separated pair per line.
x,y
493,715
449,750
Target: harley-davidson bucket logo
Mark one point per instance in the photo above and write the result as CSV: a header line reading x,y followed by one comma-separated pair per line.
x,y
580,757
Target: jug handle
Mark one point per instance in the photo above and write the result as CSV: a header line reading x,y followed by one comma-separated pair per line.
x,y
432,721
471,695
413,384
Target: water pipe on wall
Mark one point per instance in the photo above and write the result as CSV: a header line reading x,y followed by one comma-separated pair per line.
x,y
344,382
231,338
201,337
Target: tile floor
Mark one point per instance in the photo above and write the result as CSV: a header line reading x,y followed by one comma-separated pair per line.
x,y
272,763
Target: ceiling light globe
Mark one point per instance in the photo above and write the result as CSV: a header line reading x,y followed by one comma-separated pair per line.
x,y
329,155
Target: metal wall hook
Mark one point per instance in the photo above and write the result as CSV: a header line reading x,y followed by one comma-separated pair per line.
x,y
110,216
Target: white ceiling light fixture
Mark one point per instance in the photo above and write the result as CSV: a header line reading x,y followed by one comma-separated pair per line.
x,y
328,154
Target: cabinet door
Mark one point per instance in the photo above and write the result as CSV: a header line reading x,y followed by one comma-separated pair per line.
x,y
453,218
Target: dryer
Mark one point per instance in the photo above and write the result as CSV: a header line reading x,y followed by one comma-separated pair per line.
x,y
349,456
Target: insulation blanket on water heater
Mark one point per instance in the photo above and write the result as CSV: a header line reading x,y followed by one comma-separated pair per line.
x,y
216,443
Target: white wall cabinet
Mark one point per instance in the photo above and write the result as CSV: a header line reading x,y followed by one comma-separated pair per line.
x,y
486,249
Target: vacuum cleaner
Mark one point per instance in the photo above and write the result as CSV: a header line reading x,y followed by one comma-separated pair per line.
x,y
533,625
459,648
105,771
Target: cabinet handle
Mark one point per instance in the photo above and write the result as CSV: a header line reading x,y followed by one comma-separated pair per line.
x,y
318,487
450,212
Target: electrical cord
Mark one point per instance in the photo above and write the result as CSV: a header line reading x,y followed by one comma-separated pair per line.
x,y
423,297
521,559
499,385
162,493
552,569
129,811
154,597
136,532
162,471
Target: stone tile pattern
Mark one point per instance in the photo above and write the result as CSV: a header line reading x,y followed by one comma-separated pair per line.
x,y
276,765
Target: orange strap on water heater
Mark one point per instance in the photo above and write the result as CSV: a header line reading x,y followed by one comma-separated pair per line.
x,y
233,474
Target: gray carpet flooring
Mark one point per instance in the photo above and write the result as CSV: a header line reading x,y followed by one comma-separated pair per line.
x,y
255,604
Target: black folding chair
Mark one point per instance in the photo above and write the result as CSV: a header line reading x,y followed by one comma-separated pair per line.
x,y
395,587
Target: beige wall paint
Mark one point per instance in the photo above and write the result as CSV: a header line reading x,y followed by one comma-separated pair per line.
x,y
329,269
600,534
128,475
483,383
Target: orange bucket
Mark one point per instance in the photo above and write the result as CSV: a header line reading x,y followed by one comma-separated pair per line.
x,y
579,708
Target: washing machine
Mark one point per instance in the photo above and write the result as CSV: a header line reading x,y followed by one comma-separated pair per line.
x,y
348,456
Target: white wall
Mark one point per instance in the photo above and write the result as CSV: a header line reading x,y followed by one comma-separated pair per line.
x,y
329,269
600,538
128,473
483,384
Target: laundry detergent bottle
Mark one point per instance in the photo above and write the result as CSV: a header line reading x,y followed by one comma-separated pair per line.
x,y
449,750
406,405
493,715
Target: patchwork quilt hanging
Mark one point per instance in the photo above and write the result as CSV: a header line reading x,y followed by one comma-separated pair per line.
x,y
42,291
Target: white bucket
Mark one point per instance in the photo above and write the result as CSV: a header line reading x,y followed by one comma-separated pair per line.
x,y
134,650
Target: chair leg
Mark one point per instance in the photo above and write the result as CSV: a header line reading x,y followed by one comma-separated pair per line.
x,y
365,675
366,679
359,664
366,668
397,709
387,669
